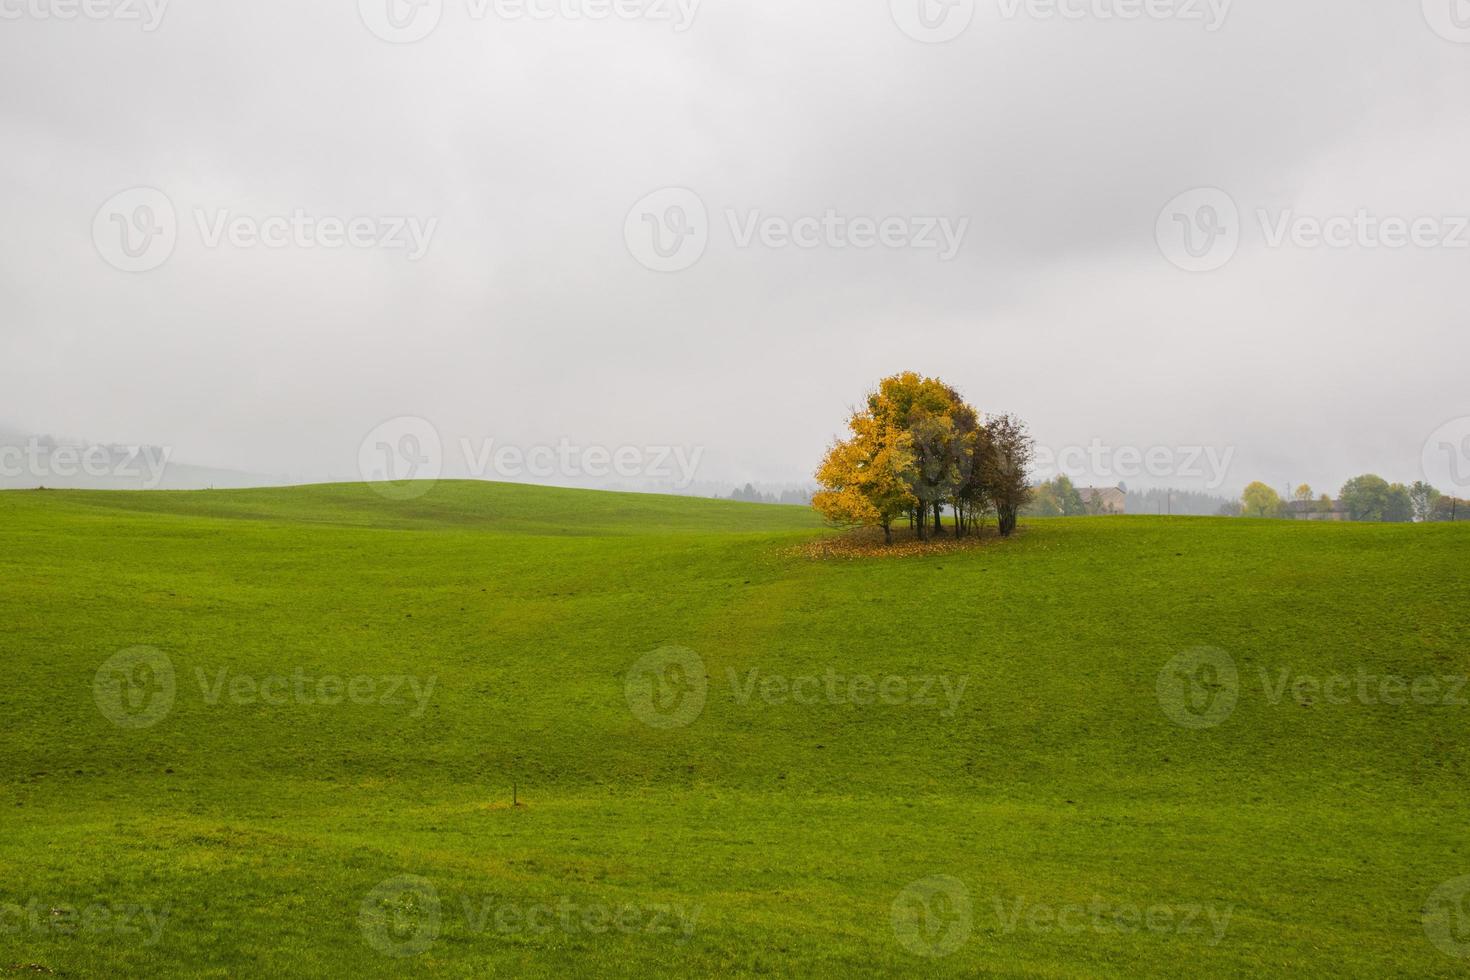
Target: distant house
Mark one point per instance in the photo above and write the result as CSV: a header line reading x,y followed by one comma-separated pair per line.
x,y
1315,510
1104,500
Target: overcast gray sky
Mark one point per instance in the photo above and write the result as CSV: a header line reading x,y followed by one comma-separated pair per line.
x,y
501,285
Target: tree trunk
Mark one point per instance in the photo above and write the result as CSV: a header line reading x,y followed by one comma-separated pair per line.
x,y
887,533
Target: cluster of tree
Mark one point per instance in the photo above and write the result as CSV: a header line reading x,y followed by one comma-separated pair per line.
x,y
1372,498
750,494
1364,498
1425,502
1060,498
916,448
1447,508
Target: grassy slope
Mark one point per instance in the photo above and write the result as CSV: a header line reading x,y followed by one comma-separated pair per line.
x,y
1058,780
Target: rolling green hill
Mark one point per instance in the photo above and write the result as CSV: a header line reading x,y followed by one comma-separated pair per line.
x,y
1028,758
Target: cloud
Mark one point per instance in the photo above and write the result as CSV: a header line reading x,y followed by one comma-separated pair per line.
x,y
528,320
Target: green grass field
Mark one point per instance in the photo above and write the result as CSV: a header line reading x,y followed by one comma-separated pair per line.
x,y
968,763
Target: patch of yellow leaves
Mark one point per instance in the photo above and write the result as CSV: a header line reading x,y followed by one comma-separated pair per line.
x,y
867,542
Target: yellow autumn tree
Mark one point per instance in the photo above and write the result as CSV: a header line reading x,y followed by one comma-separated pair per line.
x,y
1259,500
918,447
926,409
866,480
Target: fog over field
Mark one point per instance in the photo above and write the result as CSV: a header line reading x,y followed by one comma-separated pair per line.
x,y
254,233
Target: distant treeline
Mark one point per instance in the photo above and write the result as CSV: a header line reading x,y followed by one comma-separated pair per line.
x,y
749,494
1061,498
1363,498
1191,503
